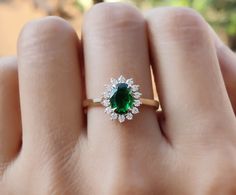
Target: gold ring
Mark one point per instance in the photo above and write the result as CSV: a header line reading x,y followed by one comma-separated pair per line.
x,y
121,99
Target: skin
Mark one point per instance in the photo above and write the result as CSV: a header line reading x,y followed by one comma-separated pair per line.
x,y
49,146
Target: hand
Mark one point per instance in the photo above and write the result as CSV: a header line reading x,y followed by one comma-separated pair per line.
x,y
190,149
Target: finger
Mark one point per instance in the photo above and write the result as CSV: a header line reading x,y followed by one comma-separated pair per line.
x,y
50,84
115,44
227,60
10,123
188,76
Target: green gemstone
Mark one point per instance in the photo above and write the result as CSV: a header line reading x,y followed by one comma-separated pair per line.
x,y
122,99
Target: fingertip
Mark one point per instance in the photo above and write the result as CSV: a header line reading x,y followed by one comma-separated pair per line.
x,y
119,15
38,32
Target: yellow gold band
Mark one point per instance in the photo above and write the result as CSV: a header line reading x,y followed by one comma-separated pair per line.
x,y
97,102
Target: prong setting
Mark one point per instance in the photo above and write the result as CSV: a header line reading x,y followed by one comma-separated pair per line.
x,y
133,98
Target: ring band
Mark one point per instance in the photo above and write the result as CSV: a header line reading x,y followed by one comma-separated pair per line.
x,y
121,99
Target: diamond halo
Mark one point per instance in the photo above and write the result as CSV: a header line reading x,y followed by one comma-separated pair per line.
x,y
122,92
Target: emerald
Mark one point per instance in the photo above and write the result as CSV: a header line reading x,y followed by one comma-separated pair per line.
x,y
122,100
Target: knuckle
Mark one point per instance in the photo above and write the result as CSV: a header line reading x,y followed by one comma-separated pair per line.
x,y
43,40
41,30
182,17
178,24
48,24
112,15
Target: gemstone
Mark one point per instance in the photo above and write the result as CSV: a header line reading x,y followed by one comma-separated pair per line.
x,y
121,79
129,116
108,110
106,94
130,82
114,81
122,100
134,88
121,118
114,116
105,103
135,110
137,103
137,95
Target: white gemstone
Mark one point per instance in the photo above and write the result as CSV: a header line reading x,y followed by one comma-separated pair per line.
x,y
129,116
130,82
113,87
114,116
135,88
121,118
105,103
114,81
108,110
137,102
108,87
121,79
135,110
137,95
106,94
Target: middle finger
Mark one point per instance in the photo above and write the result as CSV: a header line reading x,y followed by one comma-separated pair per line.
x,y
115,44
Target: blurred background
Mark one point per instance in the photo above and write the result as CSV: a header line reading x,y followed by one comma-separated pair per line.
x,y
221,14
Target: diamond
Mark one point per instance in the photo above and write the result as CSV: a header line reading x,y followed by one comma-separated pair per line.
x,y
122,100
108,110
137,103
108,87
114,81
137,95
129,116
130,82
121,79
105,103
114,116
135,88
121,118
106,95
135,110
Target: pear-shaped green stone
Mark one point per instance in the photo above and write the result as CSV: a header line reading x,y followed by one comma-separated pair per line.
x,y
122,99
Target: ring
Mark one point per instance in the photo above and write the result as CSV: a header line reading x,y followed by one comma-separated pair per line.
x,y
121,99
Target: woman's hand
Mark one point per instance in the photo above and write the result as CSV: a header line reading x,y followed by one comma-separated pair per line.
x,y
48,146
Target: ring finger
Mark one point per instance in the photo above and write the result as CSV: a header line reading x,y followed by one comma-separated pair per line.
x,y
115,44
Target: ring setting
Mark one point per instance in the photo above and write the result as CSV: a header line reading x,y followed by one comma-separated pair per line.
x,y
121,99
